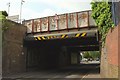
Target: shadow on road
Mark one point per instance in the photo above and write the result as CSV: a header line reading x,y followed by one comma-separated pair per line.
x,y
70,72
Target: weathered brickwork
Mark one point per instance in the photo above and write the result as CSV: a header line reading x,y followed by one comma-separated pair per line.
x,y
109,55
13,59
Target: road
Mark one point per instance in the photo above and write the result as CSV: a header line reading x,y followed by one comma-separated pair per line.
x,y
73,72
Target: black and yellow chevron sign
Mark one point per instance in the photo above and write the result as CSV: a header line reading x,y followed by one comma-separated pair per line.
x,y
63,36
81,34
40,38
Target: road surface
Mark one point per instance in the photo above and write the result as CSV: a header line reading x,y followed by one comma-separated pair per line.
x,y
80,72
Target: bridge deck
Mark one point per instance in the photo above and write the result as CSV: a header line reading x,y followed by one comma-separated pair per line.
x,y
63,35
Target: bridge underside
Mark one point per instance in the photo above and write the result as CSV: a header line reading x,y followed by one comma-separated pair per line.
x,y
84,44
58,52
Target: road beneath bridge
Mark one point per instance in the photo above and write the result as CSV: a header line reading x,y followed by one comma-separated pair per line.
x,y
53,49
73,72
60,52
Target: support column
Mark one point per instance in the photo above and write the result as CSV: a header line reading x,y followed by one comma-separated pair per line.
x,y
78,58
64,57
74,58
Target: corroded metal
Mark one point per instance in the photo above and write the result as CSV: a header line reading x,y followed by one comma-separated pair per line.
x,y
66,21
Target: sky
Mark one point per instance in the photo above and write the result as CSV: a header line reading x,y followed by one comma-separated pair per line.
x,y
41,8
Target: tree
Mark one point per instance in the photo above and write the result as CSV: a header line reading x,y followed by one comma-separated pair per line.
x,y
86,55
4,13
101,13
91,54
95,54
5,24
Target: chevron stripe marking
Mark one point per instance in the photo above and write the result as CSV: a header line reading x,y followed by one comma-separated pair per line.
x,y
54,36
43,37
83,34
66,36
35,38
39,38
77,35
63,36
51,37
48,37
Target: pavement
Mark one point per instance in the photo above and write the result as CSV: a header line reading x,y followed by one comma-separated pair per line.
x,y
93,76
90,62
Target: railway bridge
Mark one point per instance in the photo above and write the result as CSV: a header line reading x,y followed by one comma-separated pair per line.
x,y
54,42
49,42
54,39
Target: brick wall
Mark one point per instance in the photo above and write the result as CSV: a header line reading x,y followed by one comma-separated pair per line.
x,y
112,46
109,55
12,48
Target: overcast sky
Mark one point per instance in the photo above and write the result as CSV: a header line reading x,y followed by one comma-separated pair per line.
x,y
41,8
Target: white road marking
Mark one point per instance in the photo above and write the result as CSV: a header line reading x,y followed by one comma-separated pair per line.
x,y
87,74
84,76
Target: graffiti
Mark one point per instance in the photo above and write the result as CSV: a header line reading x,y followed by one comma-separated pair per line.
x,y
62,19
83,16
71,17
53,20
36,24
45,21
29,23
53,23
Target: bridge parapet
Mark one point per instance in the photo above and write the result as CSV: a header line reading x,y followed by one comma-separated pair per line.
x,y
56,23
